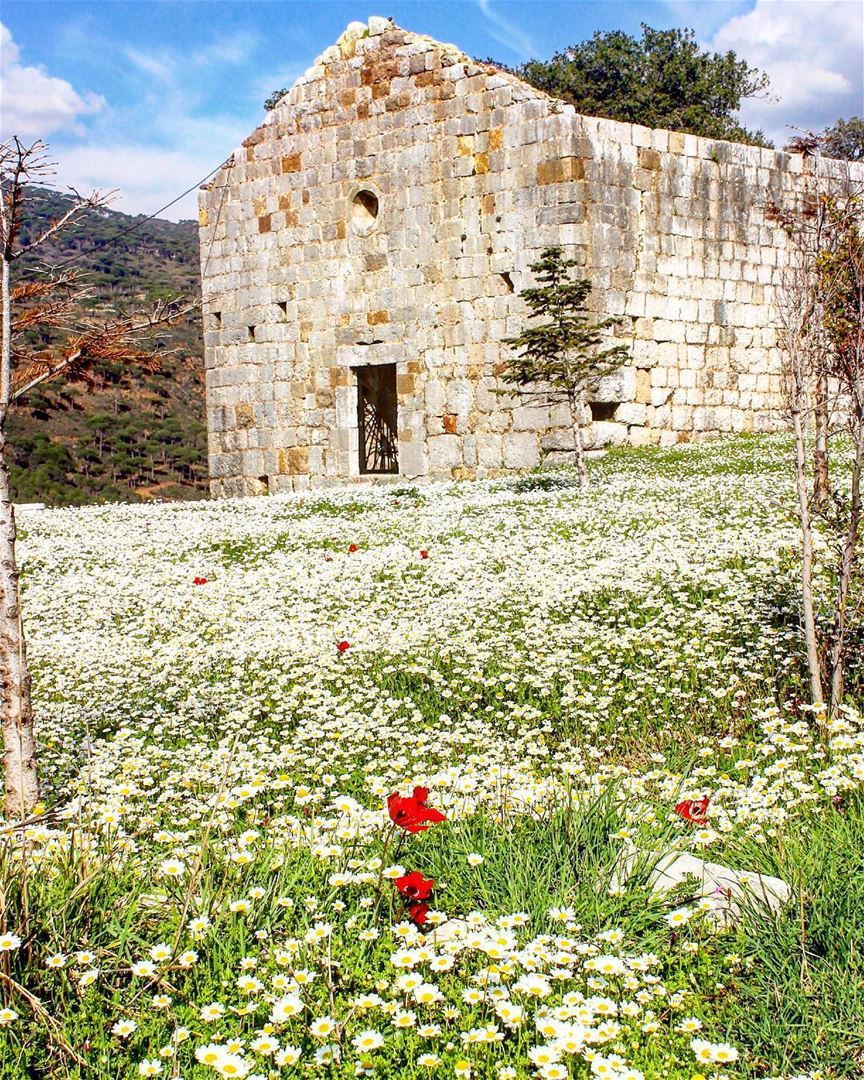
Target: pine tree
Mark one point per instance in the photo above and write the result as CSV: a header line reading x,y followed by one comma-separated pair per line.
x,y
562,358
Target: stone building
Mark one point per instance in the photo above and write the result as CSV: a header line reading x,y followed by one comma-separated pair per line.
x,y
363,253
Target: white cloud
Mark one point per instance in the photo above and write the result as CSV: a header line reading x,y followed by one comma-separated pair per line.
x,y
235,49
145,179
36,104
506,33
705,18
160,67
171,66
262,86
812,51
169,132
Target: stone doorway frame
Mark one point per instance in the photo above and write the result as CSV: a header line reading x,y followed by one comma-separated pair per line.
x,y
377,420
409,410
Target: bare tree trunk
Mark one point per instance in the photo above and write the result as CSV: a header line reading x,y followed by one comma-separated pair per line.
x,y
821,489
847,567
19,744
575,412
806,556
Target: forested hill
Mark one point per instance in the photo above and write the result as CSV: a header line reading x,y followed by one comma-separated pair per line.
x,y
135,435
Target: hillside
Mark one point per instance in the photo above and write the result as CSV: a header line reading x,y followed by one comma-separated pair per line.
x,y
135,435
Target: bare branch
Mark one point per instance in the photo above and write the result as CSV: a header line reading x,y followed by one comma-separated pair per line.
x,y
81,206
117,341
19,165
49,299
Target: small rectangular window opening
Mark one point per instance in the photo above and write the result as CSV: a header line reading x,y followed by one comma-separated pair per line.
x,y
603,410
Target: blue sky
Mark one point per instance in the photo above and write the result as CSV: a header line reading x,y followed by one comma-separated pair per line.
x,y
148,97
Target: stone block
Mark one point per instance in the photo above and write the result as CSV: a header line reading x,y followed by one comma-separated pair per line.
x,y
521,450
648,158
294,460
435,397
412,460
444,452
641,436
619,385
530,418
225,465
605,433
570,213
490,450
561,439
643,387
629,412
560,170
459,396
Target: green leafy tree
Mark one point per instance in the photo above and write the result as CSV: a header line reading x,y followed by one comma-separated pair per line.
x,y
662,80
274,99
562,357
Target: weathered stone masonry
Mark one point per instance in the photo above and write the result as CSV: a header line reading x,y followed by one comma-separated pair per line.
x,y
386,213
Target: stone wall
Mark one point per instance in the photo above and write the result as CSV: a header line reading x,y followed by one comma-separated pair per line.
x,y
474,172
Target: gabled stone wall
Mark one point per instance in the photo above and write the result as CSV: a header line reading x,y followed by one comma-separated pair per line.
x,y
474,172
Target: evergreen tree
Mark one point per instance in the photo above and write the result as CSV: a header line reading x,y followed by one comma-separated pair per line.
x,y
562,358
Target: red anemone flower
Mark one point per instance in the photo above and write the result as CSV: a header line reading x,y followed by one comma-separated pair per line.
x,y
424,554
412,813
695,810
200,581
414,886
418,914
352,548
344,646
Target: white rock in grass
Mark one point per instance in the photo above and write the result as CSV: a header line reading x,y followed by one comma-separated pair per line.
x,y
729,890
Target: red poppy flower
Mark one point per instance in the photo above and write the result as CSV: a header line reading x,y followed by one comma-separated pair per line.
x,y
424,554
352,548
412,813
200,581
419,914
695,810
344,646
414,886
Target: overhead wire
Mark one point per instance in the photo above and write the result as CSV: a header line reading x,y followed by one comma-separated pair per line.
x,y
138,224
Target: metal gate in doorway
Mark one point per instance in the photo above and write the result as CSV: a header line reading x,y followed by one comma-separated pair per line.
x,y
377,418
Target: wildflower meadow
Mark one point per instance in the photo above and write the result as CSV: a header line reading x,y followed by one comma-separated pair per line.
x,y
339,784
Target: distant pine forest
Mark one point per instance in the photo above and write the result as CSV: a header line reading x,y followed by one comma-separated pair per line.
x,y
134,435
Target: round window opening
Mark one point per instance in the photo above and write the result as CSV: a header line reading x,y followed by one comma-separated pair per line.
x,y
364,210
